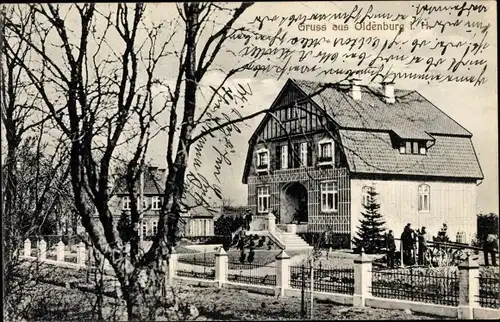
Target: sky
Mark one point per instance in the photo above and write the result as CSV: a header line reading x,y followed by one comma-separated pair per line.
x,y
465,26
474,107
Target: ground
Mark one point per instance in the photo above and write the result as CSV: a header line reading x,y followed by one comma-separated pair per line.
x,y
51,302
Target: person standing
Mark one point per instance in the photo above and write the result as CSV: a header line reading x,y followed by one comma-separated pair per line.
x,y
248,219
422,246
407,243
489,246
391,249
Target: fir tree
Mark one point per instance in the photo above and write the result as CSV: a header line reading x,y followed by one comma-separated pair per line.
x,y
371,230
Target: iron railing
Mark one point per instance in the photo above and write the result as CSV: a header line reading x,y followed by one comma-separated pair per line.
x,y
417,284
489,290
252,273
199,266
328,279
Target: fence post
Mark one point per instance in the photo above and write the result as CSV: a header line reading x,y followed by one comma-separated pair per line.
x,y
42,250
282,273
27,247
271,222
172,266
221,267
80,254
60,251
468,286
362,279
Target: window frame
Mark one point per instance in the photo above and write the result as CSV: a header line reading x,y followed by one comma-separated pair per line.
x,y
144,228
154,227
365,195
321,158
126,201
144,202
258,165
155,203
261,197
421,198
325,193
284,156
303,154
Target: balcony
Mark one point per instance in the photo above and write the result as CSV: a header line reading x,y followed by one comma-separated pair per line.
x,y
263,168
322,161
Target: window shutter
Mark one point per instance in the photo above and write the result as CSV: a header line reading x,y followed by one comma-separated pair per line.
x,y
309,154
296,155
278,157
290,156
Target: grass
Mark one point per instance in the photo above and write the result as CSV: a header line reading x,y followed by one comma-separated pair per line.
x,y
53,303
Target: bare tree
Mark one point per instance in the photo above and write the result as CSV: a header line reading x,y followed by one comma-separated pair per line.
x,y
98,78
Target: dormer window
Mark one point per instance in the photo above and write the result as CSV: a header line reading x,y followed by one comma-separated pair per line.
x,y
413,147
325,152
262,160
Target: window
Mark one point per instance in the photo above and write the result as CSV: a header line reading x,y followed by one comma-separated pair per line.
x,y
155,203
325,151
144,228
303,154
126,203
422,148
284,156
365,195
262,159
424,192
145,203
413,147
402,148
263,199
329,196
155,227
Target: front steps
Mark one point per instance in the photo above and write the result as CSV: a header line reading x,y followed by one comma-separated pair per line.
x,y
292,241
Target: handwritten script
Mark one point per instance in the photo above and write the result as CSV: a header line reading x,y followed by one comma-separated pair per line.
x,y
432,43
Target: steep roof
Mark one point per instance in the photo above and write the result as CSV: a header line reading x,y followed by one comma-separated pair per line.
x,y
366,126
154,181
372,152
411,114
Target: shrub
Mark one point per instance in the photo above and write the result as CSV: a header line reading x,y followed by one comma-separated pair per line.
x,y
269,244
442,235
262,240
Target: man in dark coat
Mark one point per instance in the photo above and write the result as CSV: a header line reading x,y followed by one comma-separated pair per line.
x,y
407,243
391,248
489,246
248,219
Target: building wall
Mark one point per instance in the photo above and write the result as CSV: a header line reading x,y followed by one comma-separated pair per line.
x,y
192,227
450,202
310,178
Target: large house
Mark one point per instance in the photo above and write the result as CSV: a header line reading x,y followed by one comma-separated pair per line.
x,y
196,220
313,159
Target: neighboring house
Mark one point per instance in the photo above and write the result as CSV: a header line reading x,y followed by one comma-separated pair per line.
x,y
316,164
196,220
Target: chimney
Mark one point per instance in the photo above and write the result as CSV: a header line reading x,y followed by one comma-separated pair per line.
x,y
389,92
356,89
